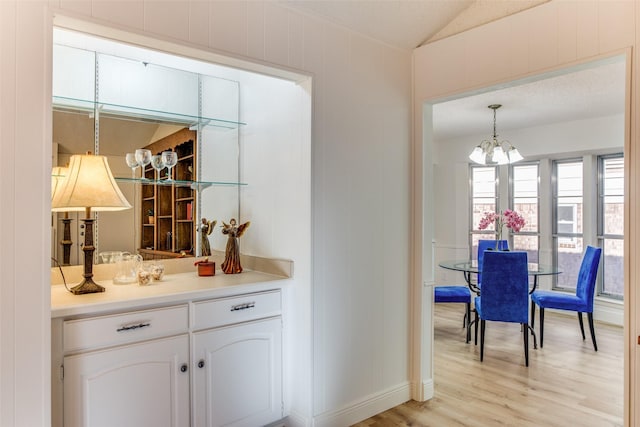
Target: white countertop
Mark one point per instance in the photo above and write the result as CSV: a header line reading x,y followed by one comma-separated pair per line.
x,y
172,289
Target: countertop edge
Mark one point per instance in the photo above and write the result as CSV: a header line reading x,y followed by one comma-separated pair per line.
x,y
175,289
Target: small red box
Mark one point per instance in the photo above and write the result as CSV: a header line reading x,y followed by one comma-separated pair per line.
x,y
189,212
206,269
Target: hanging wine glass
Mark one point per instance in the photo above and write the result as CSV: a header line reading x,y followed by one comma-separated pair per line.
x,y
157,163
132,163
170,160
143,156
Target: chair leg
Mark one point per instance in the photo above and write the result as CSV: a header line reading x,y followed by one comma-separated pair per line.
x,y
533,335
482,327
533,314
468,314
593,332
471,322
581,325
541,327
476,329
525,334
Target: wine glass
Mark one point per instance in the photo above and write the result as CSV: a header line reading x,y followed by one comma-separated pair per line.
x,y
157,163
132,163
170,160
143,156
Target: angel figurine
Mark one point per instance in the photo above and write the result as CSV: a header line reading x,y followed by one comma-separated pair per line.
x,y
205,230
231,262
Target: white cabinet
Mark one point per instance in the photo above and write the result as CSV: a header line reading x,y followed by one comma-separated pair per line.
x,y
134,385
215,362
237,353
238,375
128,369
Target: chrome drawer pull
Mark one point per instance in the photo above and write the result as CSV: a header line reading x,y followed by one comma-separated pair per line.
x,y
132,327
244,306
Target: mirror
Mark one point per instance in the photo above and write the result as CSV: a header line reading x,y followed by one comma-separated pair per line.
x,y
142,104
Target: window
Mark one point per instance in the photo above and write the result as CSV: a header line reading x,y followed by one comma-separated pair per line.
x,y
567,204
484,198
525,200
611,225
568,241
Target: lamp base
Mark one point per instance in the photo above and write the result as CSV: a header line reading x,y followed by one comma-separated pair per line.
x,y
87,286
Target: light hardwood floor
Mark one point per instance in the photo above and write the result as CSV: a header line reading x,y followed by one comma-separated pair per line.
x,y
566,383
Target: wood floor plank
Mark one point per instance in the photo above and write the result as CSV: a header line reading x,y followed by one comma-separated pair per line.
x,y
567,383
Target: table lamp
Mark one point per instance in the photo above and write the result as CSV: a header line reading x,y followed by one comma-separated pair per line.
x,y
88,185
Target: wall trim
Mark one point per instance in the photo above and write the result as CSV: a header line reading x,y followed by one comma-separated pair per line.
x,y
428,390
609,313
366,408
295,419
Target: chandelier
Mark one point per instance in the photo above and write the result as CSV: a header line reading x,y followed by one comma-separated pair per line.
x,y
491,151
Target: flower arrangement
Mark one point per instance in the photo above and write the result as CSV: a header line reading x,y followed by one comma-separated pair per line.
x,y
509,218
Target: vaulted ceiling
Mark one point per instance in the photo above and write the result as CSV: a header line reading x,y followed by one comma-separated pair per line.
x,y
407,24
583,92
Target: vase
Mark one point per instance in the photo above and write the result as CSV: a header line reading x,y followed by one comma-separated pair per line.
x,y
500,245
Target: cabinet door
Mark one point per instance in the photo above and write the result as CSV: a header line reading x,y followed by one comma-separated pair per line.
x,y
238,375
134,385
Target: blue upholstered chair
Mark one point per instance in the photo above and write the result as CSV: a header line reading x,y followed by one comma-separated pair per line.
x,y
505,294
483,245
455,293
581,302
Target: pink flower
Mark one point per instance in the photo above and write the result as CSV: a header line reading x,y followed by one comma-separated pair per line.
x,y
513,220
509,218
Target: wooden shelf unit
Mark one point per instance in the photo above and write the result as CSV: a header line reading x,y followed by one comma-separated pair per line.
x,y
172,228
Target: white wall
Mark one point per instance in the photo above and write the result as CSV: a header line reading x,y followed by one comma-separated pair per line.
x,y
514,47
25,167
352,343
276,165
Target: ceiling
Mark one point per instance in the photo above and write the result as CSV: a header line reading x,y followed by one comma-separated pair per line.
x,y
593,90
589,91
407,24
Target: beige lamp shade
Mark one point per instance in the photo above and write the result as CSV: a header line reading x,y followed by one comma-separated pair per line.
x,y
58,174
88,184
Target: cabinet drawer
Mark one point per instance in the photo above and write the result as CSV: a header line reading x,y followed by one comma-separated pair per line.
x,y
124,328
225,311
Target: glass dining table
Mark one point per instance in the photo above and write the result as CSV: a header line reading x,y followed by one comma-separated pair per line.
x,y
470,267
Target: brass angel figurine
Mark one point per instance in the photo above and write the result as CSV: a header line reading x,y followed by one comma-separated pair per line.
x,y
231,262
205,230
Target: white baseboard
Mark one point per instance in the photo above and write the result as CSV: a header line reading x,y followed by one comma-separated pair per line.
x,y
609,312
428,390
297,420
366,408
603,311
422,391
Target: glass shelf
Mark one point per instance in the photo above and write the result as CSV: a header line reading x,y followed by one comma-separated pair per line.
x,y
194,185
140,114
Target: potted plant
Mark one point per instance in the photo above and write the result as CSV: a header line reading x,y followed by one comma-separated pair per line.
x,y
152,218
